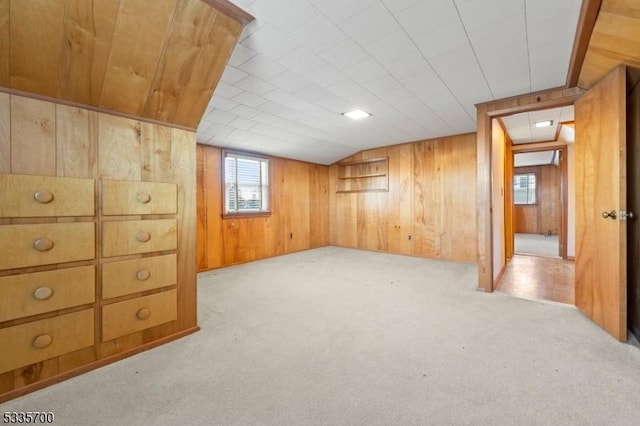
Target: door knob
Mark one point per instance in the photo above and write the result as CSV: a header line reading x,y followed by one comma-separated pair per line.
x,y
624,215
612,214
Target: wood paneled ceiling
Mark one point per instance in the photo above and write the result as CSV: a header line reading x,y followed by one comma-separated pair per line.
x,y
615,40
159,60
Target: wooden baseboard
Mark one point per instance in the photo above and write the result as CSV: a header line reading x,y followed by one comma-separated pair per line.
x,y
92,366
571,258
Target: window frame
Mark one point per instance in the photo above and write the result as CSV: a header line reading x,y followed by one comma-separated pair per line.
x,y
251,156
535,191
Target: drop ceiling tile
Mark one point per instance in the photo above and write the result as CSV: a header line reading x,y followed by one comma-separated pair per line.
x,y
443,40
427,16
392,47
262,67
244,111
240,55
319,34
396,6
344,88
345,55
366,71
220,102
265,118
249,99
226,90
301,61
242,123
286,15
407,66
218,131
254,86
220,117
300,105
270,41
312,93
279,96
232,75
479,14
567,114
341,10
290,81
382,85
326,75
370,25
272,107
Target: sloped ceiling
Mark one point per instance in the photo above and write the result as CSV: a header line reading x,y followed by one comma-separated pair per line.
x,y
418,66
158,60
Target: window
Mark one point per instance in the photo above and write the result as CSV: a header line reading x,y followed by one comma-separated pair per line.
x,y
524,188
246,184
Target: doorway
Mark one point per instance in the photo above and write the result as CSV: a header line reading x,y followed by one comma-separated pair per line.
x,y
536,204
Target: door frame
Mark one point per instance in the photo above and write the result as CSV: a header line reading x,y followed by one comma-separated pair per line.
x,y
547,99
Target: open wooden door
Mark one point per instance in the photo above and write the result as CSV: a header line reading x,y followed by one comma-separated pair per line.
x,y
601,228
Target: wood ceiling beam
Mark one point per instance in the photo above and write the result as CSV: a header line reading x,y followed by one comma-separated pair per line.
x,y
586,22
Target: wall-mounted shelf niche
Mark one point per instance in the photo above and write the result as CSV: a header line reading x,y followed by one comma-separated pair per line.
x,y
370,175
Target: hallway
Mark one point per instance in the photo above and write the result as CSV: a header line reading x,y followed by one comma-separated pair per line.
x,y
537,277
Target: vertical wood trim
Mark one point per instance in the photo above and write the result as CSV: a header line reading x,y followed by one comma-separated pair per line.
x,y
586,22
5,133
5,43
483,201
33,137
508,199
565,202
183,155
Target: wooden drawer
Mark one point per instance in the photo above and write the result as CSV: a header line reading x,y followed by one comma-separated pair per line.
x,y
139,236
122,318
133,276
37,341
45,244
31,294
121,197
41,196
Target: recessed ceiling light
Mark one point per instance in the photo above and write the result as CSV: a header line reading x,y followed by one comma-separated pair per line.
x,y
545,123
356,114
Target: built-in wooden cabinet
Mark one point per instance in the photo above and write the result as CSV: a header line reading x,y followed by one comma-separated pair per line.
x,y
97,240
370,175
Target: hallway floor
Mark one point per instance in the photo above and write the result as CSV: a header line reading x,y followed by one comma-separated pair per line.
x,y
538,277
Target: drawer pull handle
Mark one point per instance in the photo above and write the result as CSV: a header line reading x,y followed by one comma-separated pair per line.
x,y
42,341
43,244
43,293
43,197
143,313
143,275
143,198
143,236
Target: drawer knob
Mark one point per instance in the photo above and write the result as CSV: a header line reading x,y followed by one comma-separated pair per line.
x,y
43,197
42,293
43,244
143,197
42,341
143,236
143,313
143,275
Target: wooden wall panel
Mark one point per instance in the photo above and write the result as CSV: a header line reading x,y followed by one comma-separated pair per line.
x,y
4,44
431,198
296,189
120,151
76,136
87,36
136,49
35,54
5,133
160,60
33,136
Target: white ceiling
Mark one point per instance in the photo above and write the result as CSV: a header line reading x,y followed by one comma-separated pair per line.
x,y
521,127
418,66
540,158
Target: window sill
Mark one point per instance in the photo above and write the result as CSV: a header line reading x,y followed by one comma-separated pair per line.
x,y
245,215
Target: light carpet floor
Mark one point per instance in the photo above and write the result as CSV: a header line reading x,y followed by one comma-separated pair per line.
x,y
541,245
344,337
